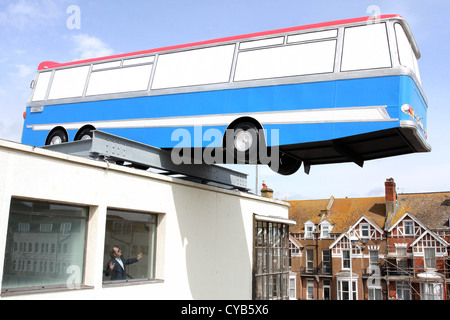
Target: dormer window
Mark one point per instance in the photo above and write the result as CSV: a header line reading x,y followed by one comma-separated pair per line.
x,y
325,231
309,229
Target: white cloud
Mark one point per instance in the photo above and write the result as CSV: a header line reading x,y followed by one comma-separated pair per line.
x,y
87,47
27,13
24,71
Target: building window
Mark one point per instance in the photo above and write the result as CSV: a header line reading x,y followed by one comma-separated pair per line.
x,y
344,289
430,258
310,289
272,261
325,231
309,260
133,233
409,227
309,231
375,293
29,223
431,291
403,290
326,261
292,288
373,258
326,289
345,259
364,230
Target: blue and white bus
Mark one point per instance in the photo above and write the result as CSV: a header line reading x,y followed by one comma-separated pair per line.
x,y
340,91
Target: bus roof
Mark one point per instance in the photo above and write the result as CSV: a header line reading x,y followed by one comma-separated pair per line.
x,y
50,64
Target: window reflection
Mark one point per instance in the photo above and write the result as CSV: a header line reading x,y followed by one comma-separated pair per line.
x,y
133,233
43,240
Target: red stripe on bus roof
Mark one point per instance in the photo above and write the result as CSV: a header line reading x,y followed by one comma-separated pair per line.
x,y
51,64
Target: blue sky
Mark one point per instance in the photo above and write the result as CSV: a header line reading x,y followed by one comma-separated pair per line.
x,y
33,31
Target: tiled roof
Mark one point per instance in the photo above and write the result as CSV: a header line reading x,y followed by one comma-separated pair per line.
x,y
343,212
431,209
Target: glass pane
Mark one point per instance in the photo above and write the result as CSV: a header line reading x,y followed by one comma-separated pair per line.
x,y
365,47
68,83
132,233
45,245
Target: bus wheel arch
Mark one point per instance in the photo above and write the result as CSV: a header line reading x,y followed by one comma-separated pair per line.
x,y
84,133
240,130
56,136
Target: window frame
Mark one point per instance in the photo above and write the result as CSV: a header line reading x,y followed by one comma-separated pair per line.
x,y
270,276
45,248
152,240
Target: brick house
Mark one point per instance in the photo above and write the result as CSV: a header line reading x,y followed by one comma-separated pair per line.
x,y
391,247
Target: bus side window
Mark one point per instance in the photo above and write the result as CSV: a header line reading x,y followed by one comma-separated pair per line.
x,y
42,85
126,79
366,47
68,83
285,61
194,67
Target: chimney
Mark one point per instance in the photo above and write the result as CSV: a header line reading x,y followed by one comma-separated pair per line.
x,y
390,196
266,192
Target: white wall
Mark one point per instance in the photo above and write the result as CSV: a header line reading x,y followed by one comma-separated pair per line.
x,y
204,235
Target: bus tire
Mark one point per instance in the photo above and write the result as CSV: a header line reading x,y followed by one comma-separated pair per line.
x,y
56,136
287,165
242,141
84,133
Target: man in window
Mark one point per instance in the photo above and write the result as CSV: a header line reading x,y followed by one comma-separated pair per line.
x,y
116,267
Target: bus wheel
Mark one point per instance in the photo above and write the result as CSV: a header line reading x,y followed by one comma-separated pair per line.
x,y
242,142
84,133
287,165
57,136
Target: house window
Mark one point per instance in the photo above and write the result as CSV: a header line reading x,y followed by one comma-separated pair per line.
x,y
34,268
431,291
309,231
272,261
364,230
310,289
344,289
326,261
345,259
309,260
403,290
326,289
292,288
409,227
430,257
325,231
375,293
132,233
373,257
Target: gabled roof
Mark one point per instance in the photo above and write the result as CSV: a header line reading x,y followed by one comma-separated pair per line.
x,y
439,239
343,213
431,209
406,215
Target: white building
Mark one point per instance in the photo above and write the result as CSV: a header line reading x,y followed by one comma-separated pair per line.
x,y
61,214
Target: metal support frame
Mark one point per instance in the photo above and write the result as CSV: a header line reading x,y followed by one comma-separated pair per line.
x,y
105,146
